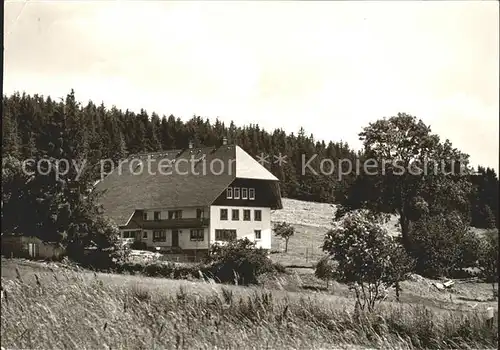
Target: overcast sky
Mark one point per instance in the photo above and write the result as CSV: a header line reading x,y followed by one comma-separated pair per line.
x,y
331,67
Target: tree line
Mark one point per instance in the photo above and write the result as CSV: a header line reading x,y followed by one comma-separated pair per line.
x,y
38,126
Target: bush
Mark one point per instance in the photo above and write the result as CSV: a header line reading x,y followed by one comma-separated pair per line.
x,y
488,258
369,260
442,245
239,262
165,270
402,264
104,251
138,245
325,269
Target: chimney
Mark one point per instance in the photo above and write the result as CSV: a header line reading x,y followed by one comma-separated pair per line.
x,y
224,140
190,144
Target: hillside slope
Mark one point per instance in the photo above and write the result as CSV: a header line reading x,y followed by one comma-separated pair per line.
x,y
314,214
311,221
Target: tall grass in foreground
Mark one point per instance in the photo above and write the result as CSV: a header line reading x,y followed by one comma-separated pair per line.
x,y
69,311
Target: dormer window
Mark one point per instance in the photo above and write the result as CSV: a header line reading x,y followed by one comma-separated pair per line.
x,y
145,216
251,194
157,215
244,193
229,193
236,193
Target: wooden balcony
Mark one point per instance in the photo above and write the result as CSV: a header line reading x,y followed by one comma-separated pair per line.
x,y
174,223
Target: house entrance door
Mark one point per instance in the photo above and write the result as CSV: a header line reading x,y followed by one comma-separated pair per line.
x,y
175,238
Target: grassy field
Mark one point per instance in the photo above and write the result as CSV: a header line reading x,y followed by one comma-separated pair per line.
x,y
80,309
49,306
311,221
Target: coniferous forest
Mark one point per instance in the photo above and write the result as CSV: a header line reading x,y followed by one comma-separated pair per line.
x,y
36,125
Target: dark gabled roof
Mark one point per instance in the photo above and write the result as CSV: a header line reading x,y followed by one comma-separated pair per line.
x,y
185,184
189,183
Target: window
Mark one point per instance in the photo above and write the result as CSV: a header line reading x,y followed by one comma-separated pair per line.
x,y
251,194
196,235
223,214
244,193
257,215
229,193
174,214
131,234
257,234
236,193
160,236
236,214
157,215
145,216
199,213
225,235
145,234
246,215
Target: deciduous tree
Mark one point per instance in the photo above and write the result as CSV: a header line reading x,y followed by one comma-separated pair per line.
x,y
412,173
285,231
369,260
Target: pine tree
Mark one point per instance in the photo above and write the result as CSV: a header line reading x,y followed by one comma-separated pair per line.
x,y
153,132
10,136
96,132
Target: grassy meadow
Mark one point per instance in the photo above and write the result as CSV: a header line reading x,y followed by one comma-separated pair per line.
x,y
53,306
50,307
311,221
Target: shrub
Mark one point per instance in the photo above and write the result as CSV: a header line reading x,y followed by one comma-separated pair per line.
x,y
369,260
402,264
104,251
442,244
138,245
166,270
325,269
488,258
239,262
131,268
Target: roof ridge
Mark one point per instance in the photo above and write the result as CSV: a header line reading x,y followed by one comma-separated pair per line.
x,y
153,153
181,150
182,187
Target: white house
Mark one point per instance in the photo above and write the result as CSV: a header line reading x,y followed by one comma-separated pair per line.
x,y
185,200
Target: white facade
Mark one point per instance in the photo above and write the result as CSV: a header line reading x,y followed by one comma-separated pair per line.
x,y
185,242
187,213
244,229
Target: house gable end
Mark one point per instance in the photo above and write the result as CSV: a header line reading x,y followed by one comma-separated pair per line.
x,y
249,168
266,194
